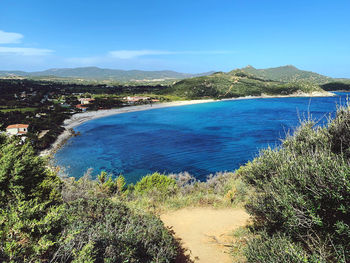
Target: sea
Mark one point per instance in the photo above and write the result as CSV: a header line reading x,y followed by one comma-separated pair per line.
x,y
200,139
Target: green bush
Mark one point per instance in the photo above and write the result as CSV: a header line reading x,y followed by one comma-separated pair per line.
x,y
302,190
157,184
30,205
38,224
108,186
99,230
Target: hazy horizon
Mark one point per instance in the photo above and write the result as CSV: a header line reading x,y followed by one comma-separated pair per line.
x,y
149,70
182,36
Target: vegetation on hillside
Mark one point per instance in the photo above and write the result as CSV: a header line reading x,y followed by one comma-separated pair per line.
x,y
236,84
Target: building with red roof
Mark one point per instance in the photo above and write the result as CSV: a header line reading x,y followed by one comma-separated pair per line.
x,y
81,107
17,129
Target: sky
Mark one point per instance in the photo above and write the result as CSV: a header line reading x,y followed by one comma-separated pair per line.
x,y
187,36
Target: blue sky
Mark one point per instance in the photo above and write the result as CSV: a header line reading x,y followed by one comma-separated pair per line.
x,y
186,36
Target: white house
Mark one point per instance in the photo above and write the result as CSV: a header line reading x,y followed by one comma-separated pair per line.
x,y
135,99
17,129
86,100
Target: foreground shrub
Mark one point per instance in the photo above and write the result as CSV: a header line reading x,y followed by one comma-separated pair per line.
x,y
302,192
30,205
101,231
278,249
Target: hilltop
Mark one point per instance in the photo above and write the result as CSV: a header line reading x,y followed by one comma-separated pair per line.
x,y
95,73
287,73
237,83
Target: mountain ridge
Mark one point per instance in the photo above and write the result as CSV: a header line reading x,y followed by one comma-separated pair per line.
x,y
286,74
104,74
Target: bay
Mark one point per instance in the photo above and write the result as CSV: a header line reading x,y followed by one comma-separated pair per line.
x,y
201,139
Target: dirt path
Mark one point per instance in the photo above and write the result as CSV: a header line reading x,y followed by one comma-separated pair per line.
x,y
205,232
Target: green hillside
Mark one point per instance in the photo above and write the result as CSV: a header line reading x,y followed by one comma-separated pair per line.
x,y
235,84
287,74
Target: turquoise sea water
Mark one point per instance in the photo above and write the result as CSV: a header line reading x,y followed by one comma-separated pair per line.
x,y
200,139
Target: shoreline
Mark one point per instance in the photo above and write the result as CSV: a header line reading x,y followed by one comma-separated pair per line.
x,y
80,118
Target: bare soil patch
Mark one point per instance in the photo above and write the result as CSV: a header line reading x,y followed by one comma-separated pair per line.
x,y
205,233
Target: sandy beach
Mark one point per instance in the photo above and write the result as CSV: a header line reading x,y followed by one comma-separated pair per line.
x,y
79,118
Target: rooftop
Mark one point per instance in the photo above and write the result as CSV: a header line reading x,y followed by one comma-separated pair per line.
x,y
17,126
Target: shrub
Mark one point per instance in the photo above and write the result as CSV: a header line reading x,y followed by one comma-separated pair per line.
x,y
99,230
278,249
302,191
339,132
30,205
157,184
85,187
108,186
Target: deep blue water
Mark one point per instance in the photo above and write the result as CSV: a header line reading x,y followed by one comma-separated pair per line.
x,y
200,139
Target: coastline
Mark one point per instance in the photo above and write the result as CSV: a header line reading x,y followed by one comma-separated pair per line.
x,y
79,118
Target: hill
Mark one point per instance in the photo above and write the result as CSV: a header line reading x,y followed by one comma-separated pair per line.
x,y
236,84
287,73
95,73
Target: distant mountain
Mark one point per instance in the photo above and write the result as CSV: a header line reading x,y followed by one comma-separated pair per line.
x,y
287,73
13,73
95,73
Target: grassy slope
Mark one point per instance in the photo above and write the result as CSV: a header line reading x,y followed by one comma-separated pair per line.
x,y
235,84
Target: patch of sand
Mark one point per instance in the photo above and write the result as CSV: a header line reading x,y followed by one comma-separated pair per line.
x,y
206,232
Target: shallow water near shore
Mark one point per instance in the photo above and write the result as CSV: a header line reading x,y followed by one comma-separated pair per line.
x,y
201,139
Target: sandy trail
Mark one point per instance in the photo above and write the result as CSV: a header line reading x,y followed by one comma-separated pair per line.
x,y
206,232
